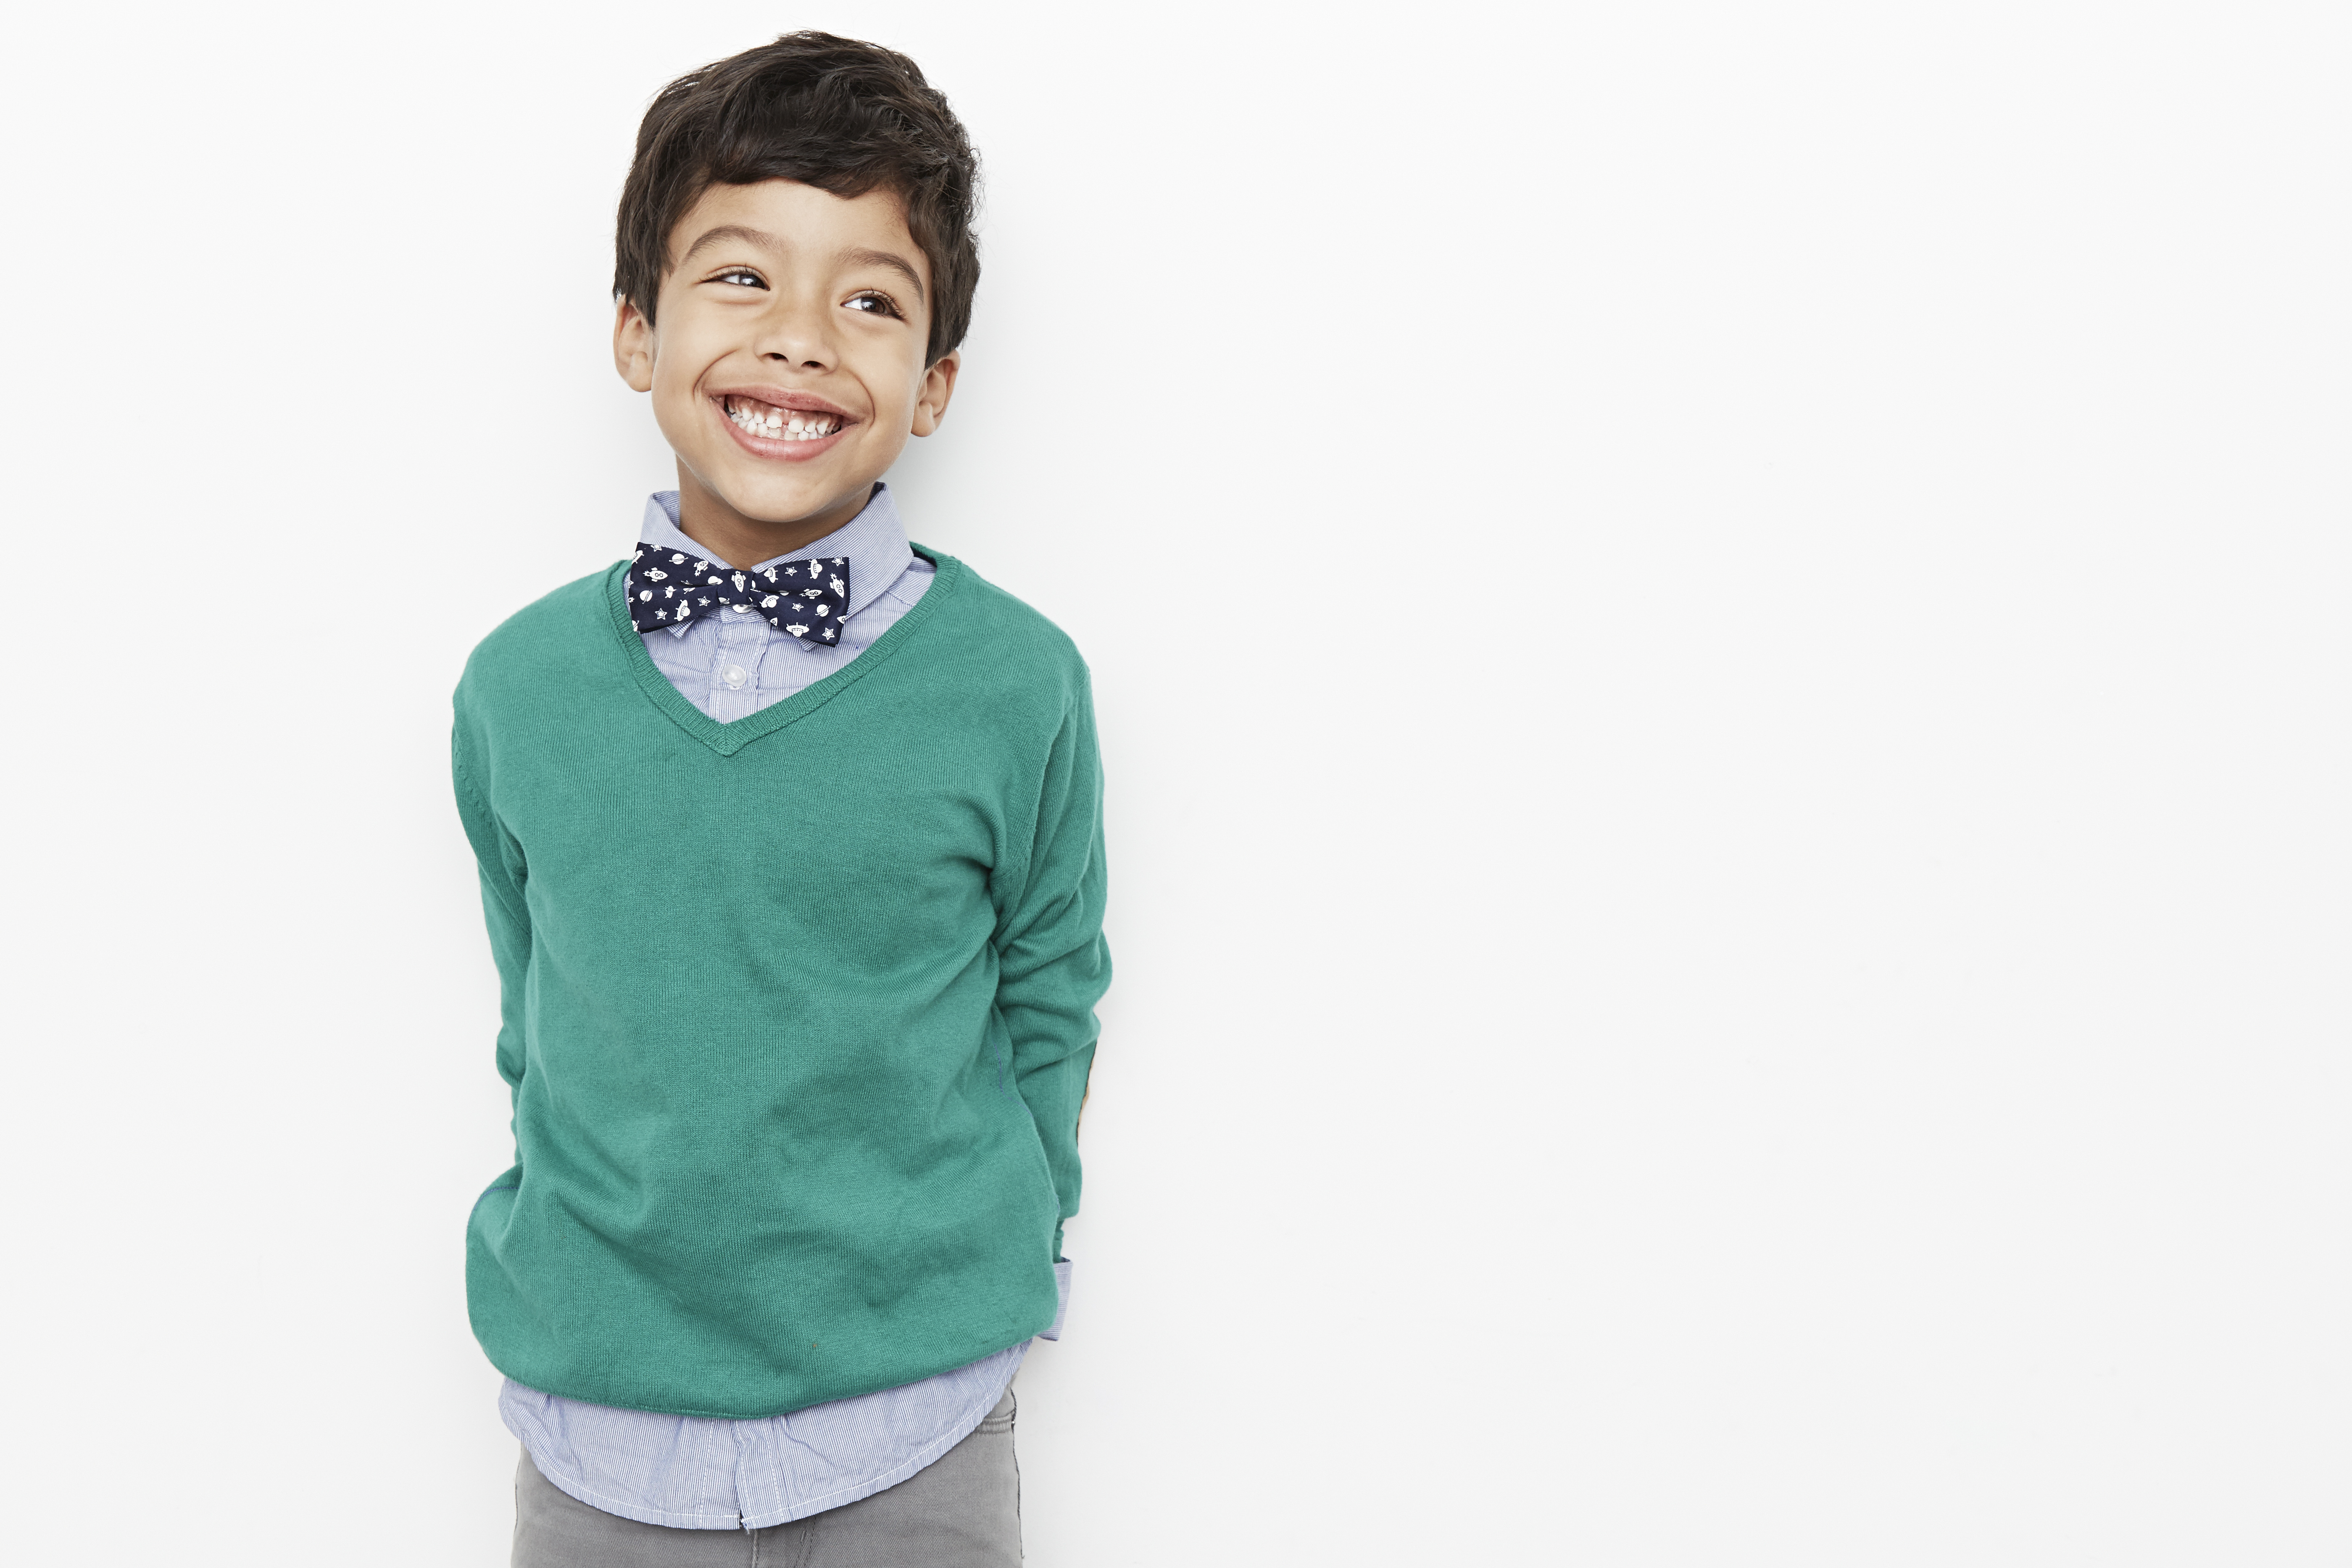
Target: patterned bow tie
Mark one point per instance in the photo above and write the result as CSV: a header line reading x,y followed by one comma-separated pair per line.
x,y
807,599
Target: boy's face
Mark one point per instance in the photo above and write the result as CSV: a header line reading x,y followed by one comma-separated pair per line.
x,y
787,368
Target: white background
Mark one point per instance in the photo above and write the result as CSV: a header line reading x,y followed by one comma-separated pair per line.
x,y
1741,960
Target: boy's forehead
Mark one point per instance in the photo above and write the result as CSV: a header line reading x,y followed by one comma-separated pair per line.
x,y
790,218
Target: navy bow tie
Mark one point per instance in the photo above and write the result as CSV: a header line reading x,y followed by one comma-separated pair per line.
x,y
806,599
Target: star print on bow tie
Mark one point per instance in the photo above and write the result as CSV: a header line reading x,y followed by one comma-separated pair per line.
x,y
806,599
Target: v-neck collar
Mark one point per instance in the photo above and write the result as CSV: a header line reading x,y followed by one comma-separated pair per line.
x,y
730,738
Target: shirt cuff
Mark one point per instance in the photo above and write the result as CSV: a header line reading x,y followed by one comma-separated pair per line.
x,y
1061,1305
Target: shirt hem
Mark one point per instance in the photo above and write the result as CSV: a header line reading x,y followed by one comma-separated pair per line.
x,y
921,1459
956,1431
581,1491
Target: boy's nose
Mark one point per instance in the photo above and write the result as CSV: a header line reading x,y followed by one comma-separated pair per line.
x,y
793,333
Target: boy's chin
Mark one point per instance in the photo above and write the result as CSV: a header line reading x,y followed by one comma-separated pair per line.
x,y
779,505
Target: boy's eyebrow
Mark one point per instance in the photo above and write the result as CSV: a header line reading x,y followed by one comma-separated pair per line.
x,y
762,239
757,237
887,258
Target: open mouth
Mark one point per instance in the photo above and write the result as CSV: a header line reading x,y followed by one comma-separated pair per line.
x,y
771,423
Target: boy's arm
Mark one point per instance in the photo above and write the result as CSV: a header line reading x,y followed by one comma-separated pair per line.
x,y
1053,964
499,861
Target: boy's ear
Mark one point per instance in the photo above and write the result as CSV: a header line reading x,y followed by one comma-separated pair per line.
x,y
633,347
938,385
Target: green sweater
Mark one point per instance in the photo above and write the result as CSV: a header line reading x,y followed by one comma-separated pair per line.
x,y
798,1010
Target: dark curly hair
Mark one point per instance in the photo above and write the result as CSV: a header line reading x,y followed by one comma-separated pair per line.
x,y
843,116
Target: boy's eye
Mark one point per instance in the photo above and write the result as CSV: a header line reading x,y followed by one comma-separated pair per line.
x,y
878,303
742,276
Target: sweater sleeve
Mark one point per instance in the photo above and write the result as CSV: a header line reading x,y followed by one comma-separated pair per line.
x,y
1052,963
498,859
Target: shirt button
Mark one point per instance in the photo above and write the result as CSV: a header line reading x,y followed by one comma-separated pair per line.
x,y
735,675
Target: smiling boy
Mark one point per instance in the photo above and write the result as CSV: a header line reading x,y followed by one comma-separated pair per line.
x,y
791,852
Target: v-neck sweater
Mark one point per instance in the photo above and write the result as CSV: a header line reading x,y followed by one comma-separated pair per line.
x,y
827,1148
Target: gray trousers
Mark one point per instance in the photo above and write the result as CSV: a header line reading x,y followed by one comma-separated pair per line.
x,y
961,1511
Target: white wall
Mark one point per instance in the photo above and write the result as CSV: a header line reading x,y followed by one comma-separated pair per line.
x,y
1744,965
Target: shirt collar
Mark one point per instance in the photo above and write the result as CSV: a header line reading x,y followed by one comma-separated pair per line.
x,y
875,543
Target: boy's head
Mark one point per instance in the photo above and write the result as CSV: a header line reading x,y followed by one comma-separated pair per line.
x,y
795,270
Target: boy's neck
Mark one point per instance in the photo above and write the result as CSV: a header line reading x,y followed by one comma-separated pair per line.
x,y
743,542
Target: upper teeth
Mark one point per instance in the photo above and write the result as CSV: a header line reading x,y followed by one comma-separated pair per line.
x,y
780,424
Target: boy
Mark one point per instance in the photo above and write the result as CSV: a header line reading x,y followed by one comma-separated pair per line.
x,y
790,851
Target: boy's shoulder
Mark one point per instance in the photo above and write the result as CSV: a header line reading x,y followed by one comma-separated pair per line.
x,y
551,624
1012,626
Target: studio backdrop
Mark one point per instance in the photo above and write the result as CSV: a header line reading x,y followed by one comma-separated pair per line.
x,y
1719,641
